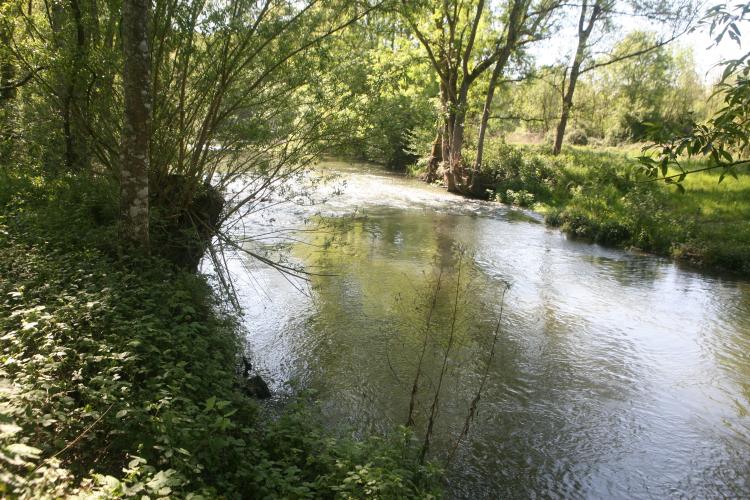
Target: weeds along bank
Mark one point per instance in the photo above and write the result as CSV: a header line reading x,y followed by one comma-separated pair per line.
x,y
118,376
602,196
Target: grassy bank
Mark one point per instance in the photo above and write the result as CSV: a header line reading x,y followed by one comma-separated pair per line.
x,y
118,376
602,196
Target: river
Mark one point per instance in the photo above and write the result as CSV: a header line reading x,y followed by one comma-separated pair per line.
x,y
614,375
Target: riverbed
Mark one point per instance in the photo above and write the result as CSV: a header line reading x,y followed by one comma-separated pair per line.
x,y
612,375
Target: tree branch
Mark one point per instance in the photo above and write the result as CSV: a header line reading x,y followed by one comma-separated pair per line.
x,y
23,81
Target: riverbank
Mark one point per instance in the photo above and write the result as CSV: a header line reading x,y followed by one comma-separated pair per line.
x,y
119,376
600,196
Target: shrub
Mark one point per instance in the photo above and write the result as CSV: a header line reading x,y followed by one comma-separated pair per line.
x,y
519,198
577,137
518,176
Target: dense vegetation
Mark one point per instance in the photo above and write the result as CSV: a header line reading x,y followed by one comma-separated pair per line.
x,y
119,376
601,196
135,134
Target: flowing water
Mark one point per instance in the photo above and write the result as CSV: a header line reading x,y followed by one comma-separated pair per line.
x,y
614,375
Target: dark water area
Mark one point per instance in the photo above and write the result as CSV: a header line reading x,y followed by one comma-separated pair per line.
x,y
615,375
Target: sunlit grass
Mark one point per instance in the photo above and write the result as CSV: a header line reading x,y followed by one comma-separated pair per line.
x,y
602,194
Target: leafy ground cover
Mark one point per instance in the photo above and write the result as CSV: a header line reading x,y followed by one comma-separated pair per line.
x,y
118,377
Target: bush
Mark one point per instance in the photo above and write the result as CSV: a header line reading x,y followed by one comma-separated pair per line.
x,y
517,176
519,198
577,137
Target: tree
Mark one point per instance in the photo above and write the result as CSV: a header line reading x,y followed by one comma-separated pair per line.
x,y
602,15
460,51
69,37
660,86
521,27
449,39
236,99
723,140
136,126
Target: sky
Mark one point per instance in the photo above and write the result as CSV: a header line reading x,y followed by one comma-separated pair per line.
x,y
705,52
707,55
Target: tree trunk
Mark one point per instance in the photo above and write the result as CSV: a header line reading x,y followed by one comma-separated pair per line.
x,y
69,82
448,127
454,169
77,155
437,154
511,39
567,104
585,27
136,122
7,92
483,128
436,157
496,72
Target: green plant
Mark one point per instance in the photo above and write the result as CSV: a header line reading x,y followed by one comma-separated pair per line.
x,y
118,378
577,137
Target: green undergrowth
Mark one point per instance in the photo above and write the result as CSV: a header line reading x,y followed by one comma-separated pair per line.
x,y
602,196
118,377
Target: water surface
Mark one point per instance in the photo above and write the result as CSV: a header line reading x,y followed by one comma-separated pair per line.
x,y
615,375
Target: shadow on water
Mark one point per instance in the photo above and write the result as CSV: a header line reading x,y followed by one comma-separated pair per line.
x,y
616,375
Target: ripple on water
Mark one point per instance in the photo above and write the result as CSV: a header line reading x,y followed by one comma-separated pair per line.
x,y
616,375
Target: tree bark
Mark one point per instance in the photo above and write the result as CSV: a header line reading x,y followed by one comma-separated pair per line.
x,y
69,81
567,105
136,128
77,157
437,153
436,157
484,121
455,165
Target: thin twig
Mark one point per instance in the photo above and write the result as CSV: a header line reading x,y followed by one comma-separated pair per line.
x,y
72,443
415,387
436,399
475,402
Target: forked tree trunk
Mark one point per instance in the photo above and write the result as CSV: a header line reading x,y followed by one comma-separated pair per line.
x,y
136,122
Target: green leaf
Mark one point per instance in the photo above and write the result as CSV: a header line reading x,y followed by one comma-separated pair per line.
x,y
23,450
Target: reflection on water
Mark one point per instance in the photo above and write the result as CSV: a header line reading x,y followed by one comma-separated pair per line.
x,y
616,375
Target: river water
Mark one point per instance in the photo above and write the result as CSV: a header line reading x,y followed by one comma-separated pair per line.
x,y
614,375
